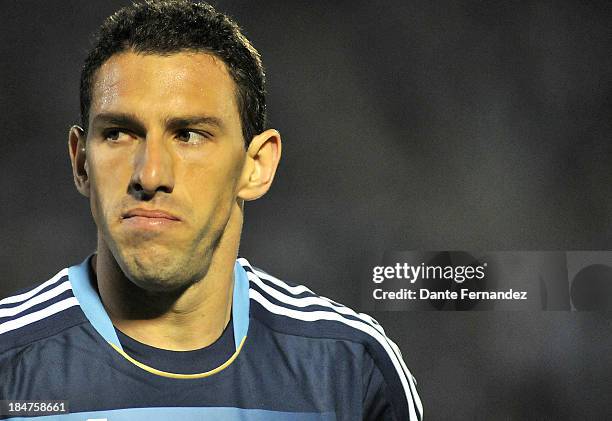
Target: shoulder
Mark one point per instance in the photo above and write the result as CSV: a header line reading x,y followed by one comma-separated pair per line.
x,y
301,310
38,312
295,309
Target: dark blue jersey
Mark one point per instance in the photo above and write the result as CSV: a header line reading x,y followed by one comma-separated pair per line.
x,y
287,354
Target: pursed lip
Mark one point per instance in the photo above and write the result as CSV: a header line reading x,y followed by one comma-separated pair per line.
x,y
150,213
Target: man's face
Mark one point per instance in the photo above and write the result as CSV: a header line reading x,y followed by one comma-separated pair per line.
x,y
164,157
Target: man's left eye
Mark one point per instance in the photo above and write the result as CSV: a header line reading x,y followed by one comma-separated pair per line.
x,y
189,136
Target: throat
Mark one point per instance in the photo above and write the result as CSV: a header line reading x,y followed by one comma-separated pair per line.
x,y
183,320
177,332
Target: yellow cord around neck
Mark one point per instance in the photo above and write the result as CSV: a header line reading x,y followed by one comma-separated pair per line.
x,y
177,375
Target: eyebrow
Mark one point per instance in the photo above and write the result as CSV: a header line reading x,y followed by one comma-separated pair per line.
x,y
119,119
181,122
131,121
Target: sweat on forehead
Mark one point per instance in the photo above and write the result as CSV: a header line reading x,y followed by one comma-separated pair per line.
x,y
130,73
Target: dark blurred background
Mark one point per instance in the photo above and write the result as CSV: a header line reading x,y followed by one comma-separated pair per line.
x,y
406,125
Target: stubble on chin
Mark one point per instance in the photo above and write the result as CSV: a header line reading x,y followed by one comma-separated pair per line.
x,y
165,270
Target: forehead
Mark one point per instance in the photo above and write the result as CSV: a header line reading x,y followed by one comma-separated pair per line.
x,y
180,83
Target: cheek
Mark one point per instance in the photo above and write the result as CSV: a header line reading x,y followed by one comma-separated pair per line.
x,y
208,188
108,183
213,185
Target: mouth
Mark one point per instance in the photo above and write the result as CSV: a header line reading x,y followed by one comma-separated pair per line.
x,y
149,218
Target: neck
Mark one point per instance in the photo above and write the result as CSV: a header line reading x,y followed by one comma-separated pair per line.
x,y
182,320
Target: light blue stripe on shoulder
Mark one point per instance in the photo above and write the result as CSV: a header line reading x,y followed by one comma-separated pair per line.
x,y
240,304
186,414
90,302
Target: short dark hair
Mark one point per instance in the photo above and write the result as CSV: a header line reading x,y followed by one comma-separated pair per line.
x,y
173,26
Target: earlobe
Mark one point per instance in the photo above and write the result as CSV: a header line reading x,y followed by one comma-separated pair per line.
x,y
263,156
78,158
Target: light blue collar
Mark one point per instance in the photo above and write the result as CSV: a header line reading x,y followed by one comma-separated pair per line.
x,y
82,287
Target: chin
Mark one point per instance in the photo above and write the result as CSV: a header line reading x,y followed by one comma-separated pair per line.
x,y
160,279
158,273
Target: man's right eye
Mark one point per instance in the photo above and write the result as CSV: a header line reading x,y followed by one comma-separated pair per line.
x,y
115,135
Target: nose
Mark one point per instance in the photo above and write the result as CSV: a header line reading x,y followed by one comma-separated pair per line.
x,y
153,169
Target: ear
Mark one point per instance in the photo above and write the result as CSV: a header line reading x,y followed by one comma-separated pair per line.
x,y
263,155
77,150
